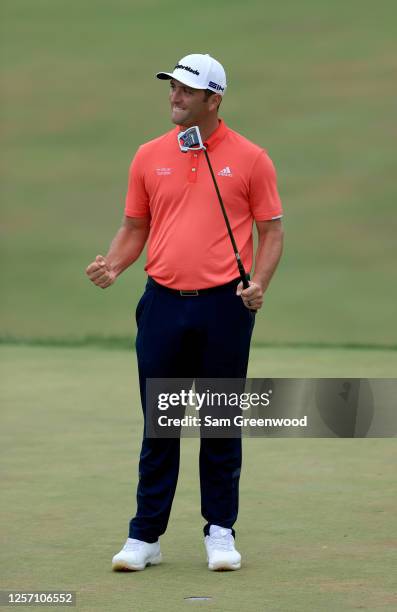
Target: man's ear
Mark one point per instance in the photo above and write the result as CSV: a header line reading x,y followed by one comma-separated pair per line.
x,y
215,102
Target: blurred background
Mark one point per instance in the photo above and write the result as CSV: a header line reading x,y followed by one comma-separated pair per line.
x,y
313,82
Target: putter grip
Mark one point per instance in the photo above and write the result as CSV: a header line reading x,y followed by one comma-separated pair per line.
x,y
244,278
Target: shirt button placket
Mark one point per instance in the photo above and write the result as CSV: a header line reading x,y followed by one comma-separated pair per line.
x,y
193,166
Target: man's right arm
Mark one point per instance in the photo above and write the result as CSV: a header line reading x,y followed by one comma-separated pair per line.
x,y
126,247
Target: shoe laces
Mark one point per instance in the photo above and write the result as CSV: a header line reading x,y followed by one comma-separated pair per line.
x,y
132,545
221,541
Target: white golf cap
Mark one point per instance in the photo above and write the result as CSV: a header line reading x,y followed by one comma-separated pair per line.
x,y
199,72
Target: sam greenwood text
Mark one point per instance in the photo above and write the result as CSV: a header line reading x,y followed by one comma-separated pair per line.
x,y
237,421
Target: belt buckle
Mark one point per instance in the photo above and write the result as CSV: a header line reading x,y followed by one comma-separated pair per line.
x,y
189,293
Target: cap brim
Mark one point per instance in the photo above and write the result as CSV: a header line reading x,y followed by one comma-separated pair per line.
x,y
166,76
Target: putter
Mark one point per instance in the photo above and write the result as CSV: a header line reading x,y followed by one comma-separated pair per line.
x,y
190,140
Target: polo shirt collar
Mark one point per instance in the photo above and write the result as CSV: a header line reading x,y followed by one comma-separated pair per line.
x,y
216,136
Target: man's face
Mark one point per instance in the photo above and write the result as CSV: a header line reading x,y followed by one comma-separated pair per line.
x,y
189,106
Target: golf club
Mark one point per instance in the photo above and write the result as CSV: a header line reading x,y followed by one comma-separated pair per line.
x,y
190,140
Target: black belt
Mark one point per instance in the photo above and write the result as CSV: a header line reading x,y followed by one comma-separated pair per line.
x,y
193,292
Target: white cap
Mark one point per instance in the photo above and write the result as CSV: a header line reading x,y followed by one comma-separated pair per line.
x,y
199,72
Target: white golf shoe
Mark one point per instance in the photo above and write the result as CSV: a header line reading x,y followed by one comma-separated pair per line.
x,y
136,555
221,552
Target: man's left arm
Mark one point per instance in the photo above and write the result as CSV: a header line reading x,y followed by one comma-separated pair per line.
x,y
268,253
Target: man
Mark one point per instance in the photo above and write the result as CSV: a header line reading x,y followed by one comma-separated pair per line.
x,y
194,318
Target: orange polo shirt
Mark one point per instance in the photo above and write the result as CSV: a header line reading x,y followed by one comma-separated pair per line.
x,y
189,246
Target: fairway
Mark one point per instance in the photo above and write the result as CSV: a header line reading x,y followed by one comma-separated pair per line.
x,y
70,435
312,82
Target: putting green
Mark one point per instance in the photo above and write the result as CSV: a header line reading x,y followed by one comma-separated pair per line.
x,y
317,517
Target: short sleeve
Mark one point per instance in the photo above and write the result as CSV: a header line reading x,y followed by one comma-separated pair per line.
x,y
264,199
137,199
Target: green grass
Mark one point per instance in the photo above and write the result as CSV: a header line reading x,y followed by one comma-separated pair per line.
x,y
311,81
316,524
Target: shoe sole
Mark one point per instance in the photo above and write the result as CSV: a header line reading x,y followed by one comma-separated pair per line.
x,y
224,567
122,566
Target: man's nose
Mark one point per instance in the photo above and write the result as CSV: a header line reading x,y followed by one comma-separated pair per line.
x,y
175,95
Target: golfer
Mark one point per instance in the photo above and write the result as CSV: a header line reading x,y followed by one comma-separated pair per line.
x,y
194,318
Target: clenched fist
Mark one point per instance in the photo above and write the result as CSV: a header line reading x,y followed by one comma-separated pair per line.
x,y
100,273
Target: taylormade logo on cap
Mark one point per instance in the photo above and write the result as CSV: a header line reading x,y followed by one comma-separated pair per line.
x,y
199,72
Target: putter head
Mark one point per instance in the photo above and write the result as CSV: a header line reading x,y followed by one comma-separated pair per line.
x,y
190,140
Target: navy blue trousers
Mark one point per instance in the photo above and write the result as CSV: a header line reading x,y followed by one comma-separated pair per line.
x,y
205,336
